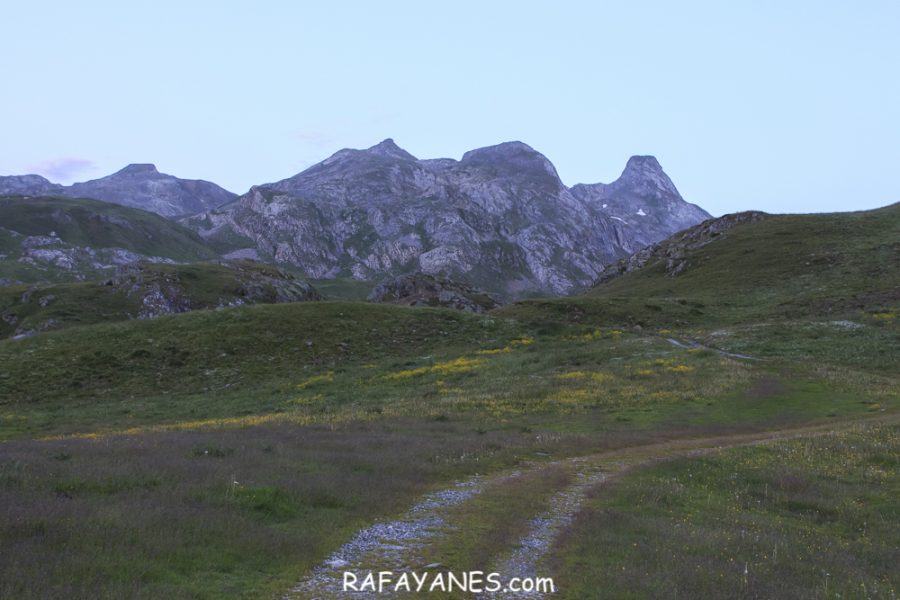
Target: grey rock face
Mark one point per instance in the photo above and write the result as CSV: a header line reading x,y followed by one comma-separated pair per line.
x,y
644,200
27,185
500,217
139,186
142,186
421,289
674,251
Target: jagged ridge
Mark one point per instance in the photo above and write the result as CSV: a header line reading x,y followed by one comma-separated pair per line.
x,y
499,217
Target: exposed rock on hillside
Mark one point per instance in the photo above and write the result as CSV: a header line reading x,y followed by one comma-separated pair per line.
x,y
674,250
146,290
50,253
63,239
422,289
165,291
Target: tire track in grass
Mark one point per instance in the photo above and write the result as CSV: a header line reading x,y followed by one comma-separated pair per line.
x,y
524,560
399,545
390,545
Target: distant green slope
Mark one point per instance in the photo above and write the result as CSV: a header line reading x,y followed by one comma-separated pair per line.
x,y
85,222
78,231
146,290
781,267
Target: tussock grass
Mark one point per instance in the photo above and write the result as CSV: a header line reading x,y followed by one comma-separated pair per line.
x,y
814,517
225,513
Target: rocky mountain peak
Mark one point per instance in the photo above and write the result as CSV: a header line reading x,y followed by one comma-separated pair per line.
x,y
514,149
143,186
510,156
391,149
645,175
643,163
136,169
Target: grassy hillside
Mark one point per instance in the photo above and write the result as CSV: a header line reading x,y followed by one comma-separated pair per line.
x,y
339,361
128,436
782,267
81,223
85,222
343,288
218,364
838,332
146,290
810,287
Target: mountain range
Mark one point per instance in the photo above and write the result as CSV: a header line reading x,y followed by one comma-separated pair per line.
x,y
500,217
137,185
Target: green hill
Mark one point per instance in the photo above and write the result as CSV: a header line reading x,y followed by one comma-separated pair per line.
x,y
809,291
776,267
59,239
146,290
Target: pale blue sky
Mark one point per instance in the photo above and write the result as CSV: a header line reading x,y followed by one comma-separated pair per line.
x,y
780,106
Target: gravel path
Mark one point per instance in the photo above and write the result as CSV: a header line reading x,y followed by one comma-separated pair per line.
x,y
397,545
524,560
387,546
400,545
691,345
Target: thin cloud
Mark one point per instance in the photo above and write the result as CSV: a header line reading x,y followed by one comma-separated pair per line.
x,y
315,138
62,169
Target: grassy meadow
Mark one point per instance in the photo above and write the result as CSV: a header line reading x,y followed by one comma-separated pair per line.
x,y
813,517
225,453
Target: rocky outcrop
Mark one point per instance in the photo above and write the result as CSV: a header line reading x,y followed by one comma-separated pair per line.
x,y
146,290
158,293
674,252
63,239
59,259
137,185
422,289
161,291
499,217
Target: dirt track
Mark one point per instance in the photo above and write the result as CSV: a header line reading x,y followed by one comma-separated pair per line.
x,y
403,544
